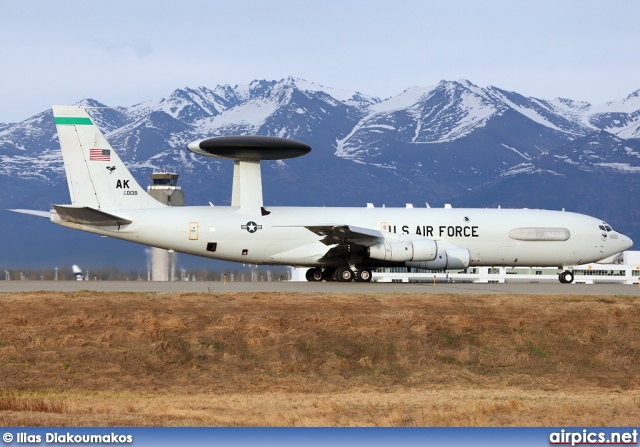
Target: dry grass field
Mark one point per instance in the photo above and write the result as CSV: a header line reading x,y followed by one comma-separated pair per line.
x,y
269,359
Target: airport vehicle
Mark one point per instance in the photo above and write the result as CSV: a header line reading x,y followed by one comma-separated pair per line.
x,y
341,244
78,273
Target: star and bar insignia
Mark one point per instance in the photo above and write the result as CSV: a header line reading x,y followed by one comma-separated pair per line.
x,y
251,227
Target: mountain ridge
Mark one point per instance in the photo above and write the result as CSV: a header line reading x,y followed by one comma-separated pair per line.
x,y
451,142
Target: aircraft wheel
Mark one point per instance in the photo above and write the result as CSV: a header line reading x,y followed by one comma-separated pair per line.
x,y
314,274
568,277
344,274
329,275
363,275
561,278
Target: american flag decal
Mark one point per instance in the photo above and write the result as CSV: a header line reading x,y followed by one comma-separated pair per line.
x,y
100,154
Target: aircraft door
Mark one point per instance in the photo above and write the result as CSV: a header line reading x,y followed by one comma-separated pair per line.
x,y
193,231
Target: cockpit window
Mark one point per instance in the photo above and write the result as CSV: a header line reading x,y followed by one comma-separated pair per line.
x,y
605,227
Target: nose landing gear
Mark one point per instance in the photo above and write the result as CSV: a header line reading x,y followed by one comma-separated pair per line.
x,y
566,277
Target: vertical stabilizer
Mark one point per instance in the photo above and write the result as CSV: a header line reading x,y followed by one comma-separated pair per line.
x,y
96,176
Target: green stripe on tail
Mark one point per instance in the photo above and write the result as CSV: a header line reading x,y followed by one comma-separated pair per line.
x,y
73,121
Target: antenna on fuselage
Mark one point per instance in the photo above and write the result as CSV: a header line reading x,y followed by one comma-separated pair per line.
x,y
246,153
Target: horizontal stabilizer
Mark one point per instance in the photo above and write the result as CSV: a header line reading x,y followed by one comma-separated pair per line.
x,y
45,214
89,216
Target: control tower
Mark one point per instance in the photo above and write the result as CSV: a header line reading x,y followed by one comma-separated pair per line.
x,y
164,188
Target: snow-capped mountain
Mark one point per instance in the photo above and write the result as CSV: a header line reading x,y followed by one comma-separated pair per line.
x,y
596,174
619,117
453,141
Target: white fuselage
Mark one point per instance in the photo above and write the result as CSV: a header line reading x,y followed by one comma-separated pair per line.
x,y
494,237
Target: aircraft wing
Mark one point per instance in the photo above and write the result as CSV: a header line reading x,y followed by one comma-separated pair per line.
x,y
335,234
38,213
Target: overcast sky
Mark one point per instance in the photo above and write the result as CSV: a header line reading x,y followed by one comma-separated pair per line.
x,y
122,52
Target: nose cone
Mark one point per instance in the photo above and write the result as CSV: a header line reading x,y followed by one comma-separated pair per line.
x,y
625,242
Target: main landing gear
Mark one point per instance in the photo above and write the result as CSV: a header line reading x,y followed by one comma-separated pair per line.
x,y
341,274
314,275
566,277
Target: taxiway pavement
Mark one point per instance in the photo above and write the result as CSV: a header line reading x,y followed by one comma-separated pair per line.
x,y
313,287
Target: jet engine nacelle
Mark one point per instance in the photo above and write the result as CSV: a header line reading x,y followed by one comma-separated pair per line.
x,y
400,251
451,258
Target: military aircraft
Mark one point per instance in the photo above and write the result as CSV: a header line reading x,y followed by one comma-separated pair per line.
x,y
341,244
